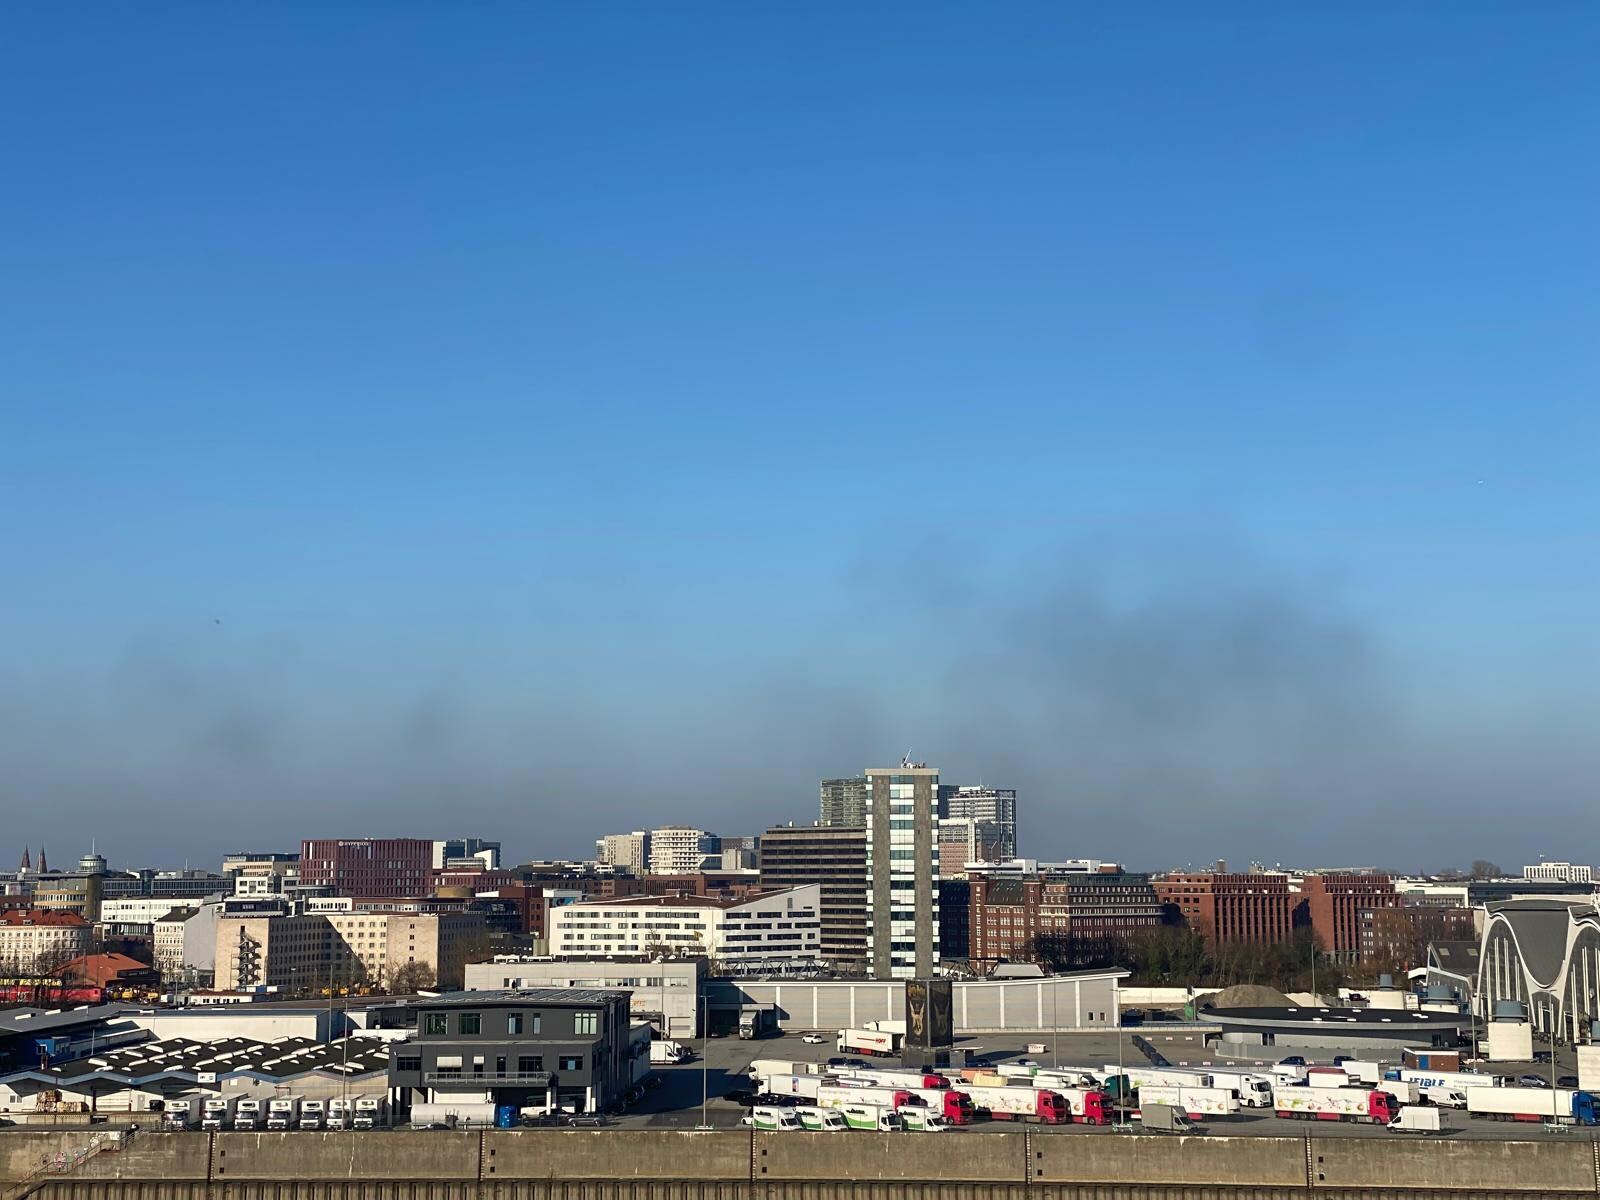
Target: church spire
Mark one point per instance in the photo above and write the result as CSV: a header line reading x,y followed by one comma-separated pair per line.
x,y
27,862
43,869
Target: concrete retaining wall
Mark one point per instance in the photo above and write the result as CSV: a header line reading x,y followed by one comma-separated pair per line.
x,y
739,1165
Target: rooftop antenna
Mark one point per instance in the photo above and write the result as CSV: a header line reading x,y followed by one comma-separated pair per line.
x,y
906,761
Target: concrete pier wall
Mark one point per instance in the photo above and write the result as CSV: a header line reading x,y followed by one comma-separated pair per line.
x,y
740,1165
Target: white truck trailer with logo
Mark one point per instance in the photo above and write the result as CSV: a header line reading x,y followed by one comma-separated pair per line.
x,y
772,1120
1146,1076
878,1043
872,1117
1195,1102
821,1120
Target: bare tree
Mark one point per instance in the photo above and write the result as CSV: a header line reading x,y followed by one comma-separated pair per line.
x,y
411,977
1482,868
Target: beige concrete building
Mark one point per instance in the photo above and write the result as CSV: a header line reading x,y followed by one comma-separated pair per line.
x,y
36,940
308,950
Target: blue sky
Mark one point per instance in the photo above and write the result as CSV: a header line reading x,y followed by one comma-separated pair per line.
x,y
533,420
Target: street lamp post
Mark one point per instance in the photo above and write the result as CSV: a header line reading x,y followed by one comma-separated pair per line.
x,y
703,1011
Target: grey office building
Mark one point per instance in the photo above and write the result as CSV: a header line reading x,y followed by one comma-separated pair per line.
x,y
844,802
536,1047
835,858
994,806
903,871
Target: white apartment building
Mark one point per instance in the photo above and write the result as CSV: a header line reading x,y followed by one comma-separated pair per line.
x,y
36,940
1558,872
772,925
679,849
630,850
139,910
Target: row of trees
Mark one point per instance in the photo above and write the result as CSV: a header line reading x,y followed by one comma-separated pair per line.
x,y
1175,956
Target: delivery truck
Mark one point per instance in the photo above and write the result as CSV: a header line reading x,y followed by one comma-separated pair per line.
x,y
1164,1118
1532,1104
772,1120
340,1111
877,1043
1445,1097
313,1114
1414,1118
666,1053
1337,1104
371,1112
182,1112
872,1117
247,1115
217,1112
914,1119
1195,1101
1016,1103
821,1120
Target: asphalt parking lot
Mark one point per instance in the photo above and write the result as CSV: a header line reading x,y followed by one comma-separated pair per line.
x,y
676,1104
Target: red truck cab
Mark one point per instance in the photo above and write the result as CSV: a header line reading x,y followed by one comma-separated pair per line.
x,y
1053,1109
1096,1108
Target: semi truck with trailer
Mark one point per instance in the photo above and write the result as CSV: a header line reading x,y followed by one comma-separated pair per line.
x,y
758,1021
1337,1104
877,1043
1195,1101
890,1077
1456,1079
1017,1103
1532,1104
1253,1090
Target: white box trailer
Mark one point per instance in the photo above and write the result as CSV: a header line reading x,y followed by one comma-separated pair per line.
x,y
1368,1073
666,1053
247,1114
762,1067
283,1112
792,1085
313,1114
340,1111
371,1112
1532,1104
1143,1076
1196,1102
1589,1068
873,1042
182,1112
1456,1079
1402,1090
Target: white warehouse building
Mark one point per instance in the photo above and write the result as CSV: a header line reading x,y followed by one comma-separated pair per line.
x,y
769,927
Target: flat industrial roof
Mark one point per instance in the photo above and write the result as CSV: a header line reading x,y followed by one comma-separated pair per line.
x,y
285,1058
526,996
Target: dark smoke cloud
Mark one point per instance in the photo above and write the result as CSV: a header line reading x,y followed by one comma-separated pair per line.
x,y
1155,702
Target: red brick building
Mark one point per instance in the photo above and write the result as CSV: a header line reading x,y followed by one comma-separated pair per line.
x,y
1342,911
1253,909
374,867
1060,920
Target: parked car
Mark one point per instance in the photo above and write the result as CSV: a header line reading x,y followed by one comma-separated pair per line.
x,y
834,1063
1532,1081
813,1039
1339,1060
1294,1060
1567,1081
743,1097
